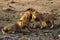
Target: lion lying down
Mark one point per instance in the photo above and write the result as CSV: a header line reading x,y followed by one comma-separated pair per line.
x,y
30,14
23,21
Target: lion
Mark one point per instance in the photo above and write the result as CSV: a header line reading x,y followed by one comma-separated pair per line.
x,y
47,20
23,21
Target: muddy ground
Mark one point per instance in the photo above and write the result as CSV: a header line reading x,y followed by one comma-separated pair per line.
x,y
11,11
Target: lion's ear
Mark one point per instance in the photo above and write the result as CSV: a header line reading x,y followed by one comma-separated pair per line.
x,y
30,9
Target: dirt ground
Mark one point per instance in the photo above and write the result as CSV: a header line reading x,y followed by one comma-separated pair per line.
x,y
11,11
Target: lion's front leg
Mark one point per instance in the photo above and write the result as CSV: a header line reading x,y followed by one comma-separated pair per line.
x,y
52,24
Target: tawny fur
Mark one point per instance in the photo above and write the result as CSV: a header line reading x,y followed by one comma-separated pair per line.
x,y
31,14
23,21
48,19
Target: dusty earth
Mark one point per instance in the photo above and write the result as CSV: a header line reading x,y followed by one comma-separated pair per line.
x,y
11,11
